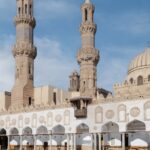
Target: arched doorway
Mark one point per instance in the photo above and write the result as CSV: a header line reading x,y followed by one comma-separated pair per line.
x,y
137,136
27,139
3,139
14,143
83,138
42,138
59,139
111,138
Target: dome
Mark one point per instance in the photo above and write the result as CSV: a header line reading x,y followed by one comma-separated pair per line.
x,y
141,61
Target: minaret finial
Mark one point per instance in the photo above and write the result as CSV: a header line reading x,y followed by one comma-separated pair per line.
x,y
87,1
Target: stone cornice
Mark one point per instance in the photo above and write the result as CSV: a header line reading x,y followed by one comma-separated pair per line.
x,y
88,28
88,54
22,48
27,19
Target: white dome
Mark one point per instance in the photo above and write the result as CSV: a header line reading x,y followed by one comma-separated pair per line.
x,y
142,60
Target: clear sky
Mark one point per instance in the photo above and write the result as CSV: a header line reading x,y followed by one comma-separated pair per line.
x,y
123,32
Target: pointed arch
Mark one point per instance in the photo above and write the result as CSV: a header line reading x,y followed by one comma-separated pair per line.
x,y
59,129
27,131
140,80
42,130
110,127
14,131
82,128
135,125
3,131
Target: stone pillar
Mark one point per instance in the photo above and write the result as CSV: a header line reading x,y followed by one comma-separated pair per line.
x,y
74,142
123,141
68,142
50,138
100,142
20,142
8,141
34,137
94,141
71,141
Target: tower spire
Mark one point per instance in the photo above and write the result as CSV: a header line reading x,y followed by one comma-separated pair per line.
x,y
88,55
24,53
87,1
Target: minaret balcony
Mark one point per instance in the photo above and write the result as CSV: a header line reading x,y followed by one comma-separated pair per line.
x,y
25,19
80,104
81,113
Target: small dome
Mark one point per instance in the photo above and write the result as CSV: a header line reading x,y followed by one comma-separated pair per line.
x,y
140,62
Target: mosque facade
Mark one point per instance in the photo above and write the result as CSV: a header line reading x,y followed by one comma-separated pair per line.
x,y
83,118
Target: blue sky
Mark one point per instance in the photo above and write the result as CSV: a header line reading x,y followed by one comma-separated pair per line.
x,y
123,32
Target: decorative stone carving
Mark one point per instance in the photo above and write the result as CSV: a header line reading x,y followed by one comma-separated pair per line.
x,y
122,113
135,111
2,123
95,128
109,114
41,119
98,115
49,119
147,111
58,118
34,120
13,122
67,117
27,120
20,121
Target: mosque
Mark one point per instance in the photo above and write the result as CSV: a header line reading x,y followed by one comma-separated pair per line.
x,y
83,118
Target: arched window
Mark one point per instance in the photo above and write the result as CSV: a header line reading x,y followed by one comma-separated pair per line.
x,y
25,8
98,114
86,14
149,78
19,10
140,80
121,113
30,10
131,80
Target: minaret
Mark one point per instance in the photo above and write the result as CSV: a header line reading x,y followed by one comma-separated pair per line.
x,y
88,55
24,53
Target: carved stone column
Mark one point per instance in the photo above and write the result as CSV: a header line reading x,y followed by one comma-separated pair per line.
x,y
50,138
74,142
34,137
68,142
20,142
100,142
94,141
123,141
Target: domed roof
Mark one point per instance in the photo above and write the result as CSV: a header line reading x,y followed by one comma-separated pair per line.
x,y
141,61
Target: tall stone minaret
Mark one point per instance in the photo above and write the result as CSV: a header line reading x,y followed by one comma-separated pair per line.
x,y
24,53
88,55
